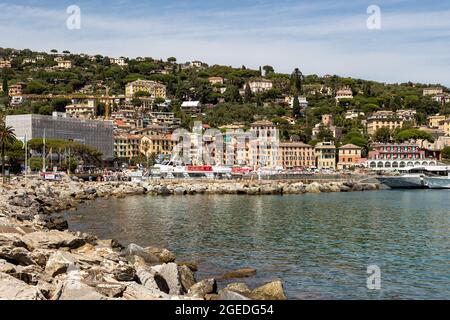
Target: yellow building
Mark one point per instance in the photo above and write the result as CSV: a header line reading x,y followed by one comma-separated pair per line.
x,y
432,91
296,155
157,145
15,90
5,64
65,64
215,80
325,155
383,119
445,126
155,89
433,121
127,146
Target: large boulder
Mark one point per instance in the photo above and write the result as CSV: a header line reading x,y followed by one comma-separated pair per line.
x,y
164,255
14,289
151,279
270,291
52,240
169,272
202,288
187,278
133,250
313,188
124,273
135,291
77,291
17,255
59,262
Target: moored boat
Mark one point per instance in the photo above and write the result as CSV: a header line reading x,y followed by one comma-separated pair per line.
x,y
437,177
406,181
438,182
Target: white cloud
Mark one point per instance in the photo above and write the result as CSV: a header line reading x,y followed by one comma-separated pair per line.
x,y
410,46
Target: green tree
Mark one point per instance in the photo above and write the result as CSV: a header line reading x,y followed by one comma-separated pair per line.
x,y
296,110
446,153
7,137
382,135
5,84
268,70
248,94
413,134
325,134
297,81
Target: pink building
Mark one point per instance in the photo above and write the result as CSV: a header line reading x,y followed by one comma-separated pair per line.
x,y
393,156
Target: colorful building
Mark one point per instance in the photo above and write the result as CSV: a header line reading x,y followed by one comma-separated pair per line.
x,y
349,156
394,156
296,155
155,89
325,155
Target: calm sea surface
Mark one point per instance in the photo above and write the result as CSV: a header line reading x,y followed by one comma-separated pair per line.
x,y
319,245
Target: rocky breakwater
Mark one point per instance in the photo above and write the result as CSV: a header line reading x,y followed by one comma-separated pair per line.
x,y
41,260
253,188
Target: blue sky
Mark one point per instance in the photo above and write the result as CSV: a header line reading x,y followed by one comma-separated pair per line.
x,y
321,36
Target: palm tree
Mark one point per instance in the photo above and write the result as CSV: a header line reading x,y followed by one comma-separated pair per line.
x,y
7,136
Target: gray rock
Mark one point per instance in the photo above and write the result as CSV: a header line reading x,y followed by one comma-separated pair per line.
x,y
112,290
59,262
133,250
164,255
124,273
187,278
169,272
52,240
164,191
270,291
17,255
152,279
204,287
77,291
136,291
14,289
179,191
313,188
238,287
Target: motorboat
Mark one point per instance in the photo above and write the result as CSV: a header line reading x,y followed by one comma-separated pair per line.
x,y
417,178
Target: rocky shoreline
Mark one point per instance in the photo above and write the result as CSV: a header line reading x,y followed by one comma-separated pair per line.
x,y
41,260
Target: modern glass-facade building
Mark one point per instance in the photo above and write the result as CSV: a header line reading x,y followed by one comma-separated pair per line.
x,y
97,134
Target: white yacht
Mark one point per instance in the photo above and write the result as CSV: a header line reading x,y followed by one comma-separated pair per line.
x,y
417,178
438,182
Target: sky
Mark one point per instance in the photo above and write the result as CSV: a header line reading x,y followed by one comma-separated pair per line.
x,y
319,37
